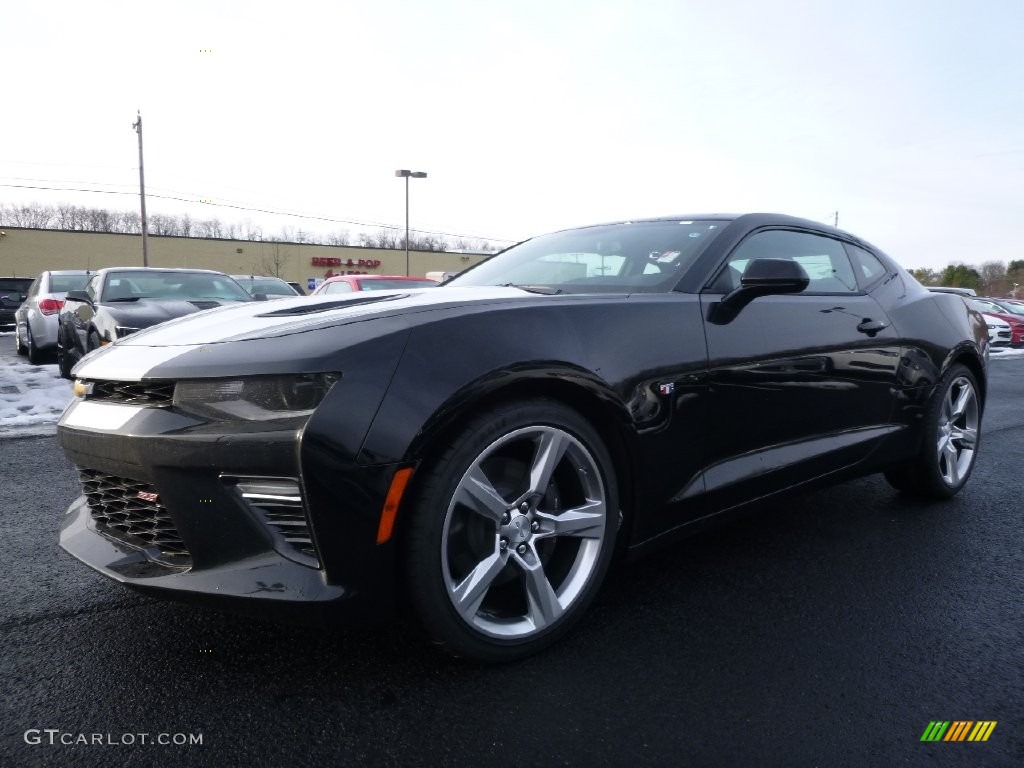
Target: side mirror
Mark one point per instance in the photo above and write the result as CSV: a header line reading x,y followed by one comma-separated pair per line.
x,y
762,277
77,296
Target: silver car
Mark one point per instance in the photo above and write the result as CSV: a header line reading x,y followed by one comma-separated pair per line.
x,y
35,322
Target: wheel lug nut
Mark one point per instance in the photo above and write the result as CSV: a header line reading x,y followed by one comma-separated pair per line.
x,y
505,518
521,549
503,544
524,506
535,526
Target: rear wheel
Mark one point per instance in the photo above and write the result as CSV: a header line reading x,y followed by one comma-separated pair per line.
x,y
512,531
18,346
34,355
952,432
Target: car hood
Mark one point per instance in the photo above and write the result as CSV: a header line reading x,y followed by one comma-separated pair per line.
x,y
259,320
291,334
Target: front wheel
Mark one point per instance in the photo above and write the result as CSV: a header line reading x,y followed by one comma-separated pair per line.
x,y
952,432
64,362
512,531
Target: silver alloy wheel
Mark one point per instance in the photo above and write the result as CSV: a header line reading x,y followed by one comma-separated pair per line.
x,y
523,532
958,431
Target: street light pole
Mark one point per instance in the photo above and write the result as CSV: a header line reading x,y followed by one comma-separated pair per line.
x,y
406,174
137,125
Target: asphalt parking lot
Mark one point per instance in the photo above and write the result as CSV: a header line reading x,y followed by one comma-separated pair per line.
x,y
828,629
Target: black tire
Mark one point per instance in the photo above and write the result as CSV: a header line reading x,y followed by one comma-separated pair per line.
x,y
949,442
18,346
34,355
64,362
476,519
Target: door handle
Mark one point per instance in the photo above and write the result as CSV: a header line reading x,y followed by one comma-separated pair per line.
x,y
871,327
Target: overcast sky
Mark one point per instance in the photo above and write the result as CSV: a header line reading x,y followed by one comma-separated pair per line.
x,y
905,116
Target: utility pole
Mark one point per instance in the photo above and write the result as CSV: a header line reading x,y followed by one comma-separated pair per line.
x,y
137,125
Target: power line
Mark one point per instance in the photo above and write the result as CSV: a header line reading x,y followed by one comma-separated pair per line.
x,y
255,210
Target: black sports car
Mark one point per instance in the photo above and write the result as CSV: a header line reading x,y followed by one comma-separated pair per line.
x,y
474,455
120,301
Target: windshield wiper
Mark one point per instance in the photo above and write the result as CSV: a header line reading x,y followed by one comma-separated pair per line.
x,y
546,290
124,298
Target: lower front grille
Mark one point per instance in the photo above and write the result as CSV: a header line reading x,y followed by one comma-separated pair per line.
x,y
278,503
130,512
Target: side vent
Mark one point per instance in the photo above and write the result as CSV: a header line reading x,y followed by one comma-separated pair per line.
x,y
277,501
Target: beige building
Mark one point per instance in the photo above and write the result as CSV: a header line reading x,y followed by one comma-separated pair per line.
x,y
27,252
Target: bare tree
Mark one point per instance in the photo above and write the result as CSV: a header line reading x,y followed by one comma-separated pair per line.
x,y
68,217
33,216
994,280
131,223
275,257
339,237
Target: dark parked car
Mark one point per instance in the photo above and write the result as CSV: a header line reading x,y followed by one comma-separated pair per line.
x,y
13,291
120,301
476,454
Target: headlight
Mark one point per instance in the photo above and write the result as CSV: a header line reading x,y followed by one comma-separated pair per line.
x,y
258,398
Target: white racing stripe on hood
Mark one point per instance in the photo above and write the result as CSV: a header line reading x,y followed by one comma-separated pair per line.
x,y
253,320
120,362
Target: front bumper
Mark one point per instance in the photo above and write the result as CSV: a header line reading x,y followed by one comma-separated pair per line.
x,y
252,584
162,512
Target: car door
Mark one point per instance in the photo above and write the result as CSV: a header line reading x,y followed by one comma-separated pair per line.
x,y
800,384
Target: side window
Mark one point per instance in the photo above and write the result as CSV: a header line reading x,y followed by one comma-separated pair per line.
x,y
824,260
869,269
339,287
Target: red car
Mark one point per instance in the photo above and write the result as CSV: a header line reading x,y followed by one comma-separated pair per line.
x,y
1004,311
349,283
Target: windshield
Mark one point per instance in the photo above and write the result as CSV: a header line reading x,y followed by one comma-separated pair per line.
x,y
647,256
181,286
272,287
64,283
1011,308
15,284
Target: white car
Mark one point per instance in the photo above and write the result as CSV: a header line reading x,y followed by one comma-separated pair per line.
x,y
35,322
999,332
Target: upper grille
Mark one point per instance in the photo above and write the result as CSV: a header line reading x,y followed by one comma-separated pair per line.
x,y
135,392
130,512
278,502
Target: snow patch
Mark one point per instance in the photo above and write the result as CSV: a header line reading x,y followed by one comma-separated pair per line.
x,y
1005,354
32,397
